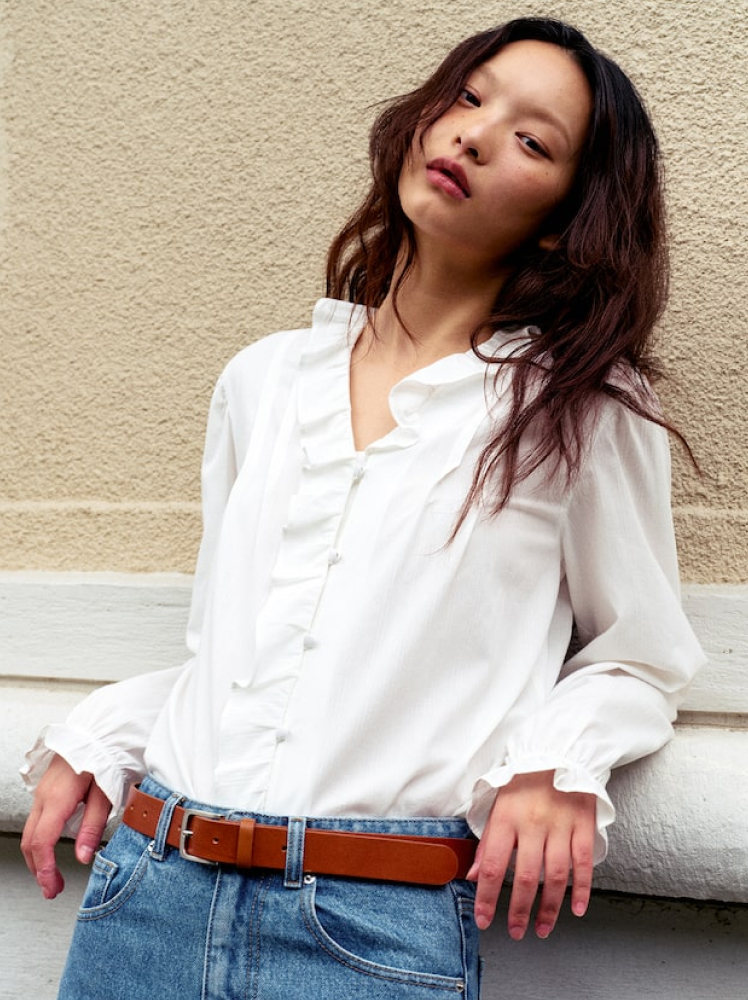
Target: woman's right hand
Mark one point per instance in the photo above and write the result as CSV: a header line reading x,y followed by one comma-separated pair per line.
x,y
57,796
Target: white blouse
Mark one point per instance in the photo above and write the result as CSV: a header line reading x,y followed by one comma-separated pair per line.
x,y
347,660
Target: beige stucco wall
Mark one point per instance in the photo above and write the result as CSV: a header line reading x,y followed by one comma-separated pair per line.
x,y
171,172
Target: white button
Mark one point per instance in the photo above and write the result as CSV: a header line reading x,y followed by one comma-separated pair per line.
x,y
281,735
241,682
358,473
309,641
333,556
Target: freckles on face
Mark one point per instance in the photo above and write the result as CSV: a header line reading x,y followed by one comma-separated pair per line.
x,y
490,171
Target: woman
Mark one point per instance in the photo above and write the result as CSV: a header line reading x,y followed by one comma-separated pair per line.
x,y
406,509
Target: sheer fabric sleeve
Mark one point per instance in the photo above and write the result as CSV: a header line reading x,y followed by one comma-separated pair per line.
x,y
107,733
616,698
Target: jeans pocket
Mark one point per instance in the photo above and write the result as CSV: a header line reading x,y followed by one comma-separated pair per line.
x,y
103,873
115,874
399,933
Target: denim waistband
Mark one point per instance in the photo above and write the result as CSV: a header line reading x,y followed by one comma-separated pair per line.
x,y
414,826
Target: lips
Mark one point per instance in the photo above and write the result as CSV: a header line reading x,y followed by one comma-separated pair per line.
x,y
449,176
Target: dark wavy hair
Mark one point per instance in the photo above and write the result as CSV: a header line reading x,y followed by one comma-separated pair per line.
x,y
594,297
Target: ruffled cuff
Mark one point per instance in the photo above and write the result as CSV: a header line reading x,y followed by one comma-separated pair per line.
x,y
82,754
568,777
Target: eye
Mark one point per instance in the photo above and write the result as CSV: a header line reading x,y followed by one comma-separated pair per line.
x,y
468,97
533,145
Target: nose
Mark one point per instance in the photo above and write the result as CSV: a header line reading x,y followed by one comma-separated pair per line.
x,y
471,150
477,132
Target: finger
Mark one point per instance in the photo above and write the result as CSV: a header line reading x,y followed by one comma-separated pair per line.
x,y
582,854
557,866
27,836
95,816
496,854
525,884
50,880
472,874
38,846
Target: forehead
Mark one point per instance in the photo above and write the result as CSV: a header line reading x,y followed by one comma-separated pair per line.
x,y
542,79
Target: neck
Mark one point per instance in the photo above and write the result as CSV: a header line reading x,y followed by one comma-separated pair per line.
x,y
439,306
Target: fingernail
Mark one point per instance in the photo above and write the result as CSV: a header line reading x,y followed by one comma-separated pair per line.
x,y
579,909
472,875
516,933
482,921
85,853
46,891
543,930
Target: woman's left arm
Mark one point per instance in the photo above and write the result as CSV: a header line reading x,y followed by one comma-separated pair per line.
x,y
616,697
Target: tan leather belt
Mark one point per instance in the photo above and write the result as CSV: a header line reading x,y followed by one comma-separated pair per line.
x,y
211,839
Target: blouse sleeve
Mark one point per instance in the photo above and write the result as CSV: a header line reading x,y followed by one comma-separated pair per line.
x,y
616,698
107,733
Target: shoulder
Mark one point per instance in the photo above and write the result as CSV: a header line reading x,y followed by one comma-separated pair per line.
x,y
630,407
626,441
280,355
250,367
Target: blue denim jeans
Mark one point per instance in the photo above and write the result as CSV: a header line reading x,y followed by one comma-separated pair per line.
x,y
154,926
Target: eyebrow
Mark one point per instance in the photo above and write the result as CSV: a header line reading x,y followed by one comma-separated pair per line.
x,y
532,109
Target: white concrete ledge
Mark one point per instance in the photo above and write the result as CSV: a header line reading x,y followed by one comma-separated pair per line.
x,y
91,626
26,709
682,827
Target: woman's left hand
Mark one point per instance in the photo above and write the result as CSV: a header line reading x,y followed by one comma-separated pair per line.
x,y
553,833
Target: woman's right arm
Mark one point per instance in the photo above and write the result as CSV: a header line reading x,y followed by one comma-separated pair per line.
x,y
81,770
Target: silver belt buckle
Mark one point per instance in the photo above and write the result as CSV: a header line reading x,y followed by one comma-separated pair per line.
x,y
185,833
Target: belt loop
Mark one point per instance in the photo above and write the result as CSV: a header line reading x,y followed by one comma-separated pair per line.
x,y
158,848
295,853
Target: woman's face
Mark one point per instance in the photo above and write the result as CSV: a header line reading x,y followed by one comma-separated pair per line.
x,y
484,178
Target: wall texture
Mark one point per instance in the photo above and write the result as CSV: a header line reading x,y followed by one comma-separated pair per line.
x,y
170,175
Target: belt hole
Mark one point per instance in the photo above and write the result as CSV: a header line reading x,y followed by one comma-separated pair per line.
x,y
215,841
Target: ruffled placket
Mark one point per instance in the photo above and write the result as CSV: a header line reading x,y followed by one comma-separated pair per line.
x,y
329,478
330,474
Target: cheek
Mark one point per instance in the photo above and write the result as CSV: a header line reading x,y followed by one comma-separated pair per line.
x,y
405,188
413,191
532,193
408,170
